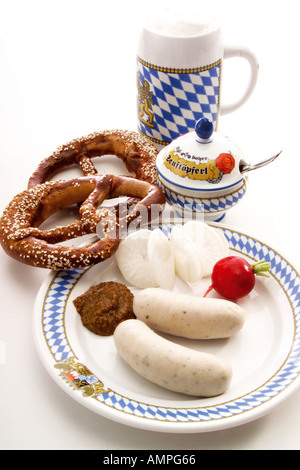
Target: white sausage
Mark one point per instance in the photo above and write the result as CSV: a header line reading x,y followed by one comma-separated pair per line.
x,y
186,315
171,365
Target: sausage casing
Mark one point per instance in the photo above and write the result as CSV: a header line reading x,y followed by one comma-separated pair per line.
x,y
187,315
170,365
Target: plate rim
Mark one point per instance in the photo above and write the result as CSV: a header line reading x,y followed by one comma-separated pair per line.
x,y
129,419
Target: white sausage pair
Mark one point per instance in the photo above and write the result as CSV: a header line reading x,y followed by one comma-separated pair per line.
x,y
166,363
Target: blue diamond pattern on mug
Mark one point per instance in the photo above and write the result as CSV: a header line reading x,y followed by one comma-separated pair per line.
x,y
170,101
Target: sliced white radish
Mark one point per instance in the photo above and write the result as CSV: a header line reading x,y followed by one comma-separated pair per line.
x,y
161,259
149,259
188,263
212,244
132,259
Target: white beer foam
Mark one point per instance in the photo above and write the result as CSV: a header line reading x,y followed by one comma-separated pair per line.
x,y
175,23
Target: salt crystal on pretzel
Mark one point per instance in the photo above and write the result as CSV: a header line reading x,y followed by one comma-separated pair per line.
x,y
136,151
21,238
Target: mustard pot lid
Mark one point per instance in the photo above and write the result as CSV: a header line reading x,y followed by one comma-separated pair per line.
x,y
203,160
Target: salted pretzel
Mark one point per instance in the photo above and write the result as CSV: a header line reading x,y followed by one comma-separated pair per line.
x,y
23,240
137,153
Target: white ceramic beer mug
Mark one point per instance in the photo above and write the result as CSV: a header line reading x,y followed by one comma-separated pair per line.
x,y
179,70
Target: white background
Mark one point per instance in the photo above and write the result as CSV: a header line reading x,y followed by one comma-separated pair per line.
x,y
67,68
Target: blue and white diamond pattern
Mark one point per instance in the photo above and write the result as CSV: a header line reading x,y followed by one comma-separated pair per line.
x,y
56,338
54,309
216,206
180,98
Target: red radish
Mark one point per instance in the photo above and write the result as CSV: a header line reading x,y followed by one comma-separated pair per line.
x,y
233,277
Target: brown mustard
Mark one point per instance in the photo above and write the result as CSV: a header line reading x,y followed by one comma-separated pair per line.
x,y
103,306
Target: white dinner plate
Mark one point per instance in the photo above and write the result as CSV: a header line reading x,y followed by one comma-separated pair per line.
x,y
264,355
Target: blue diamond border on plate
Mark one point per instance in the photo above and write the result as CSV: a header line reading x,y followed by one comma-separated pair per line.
x,y
56,339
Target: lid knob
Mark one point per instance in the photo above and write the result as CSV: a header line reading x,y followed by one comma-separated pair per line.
x,y
204,129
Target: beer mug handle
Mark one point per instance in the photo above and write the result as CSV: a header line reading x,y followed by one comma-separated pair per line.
x,y
236,51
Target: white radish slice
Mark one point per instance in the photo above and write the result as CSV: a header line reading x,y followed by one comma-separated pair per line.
x,y
188,263
212,244
132,259
161,259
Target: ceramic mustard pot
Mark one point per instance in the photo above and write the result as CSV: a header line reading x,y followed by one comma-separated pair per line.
x,y
203,171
